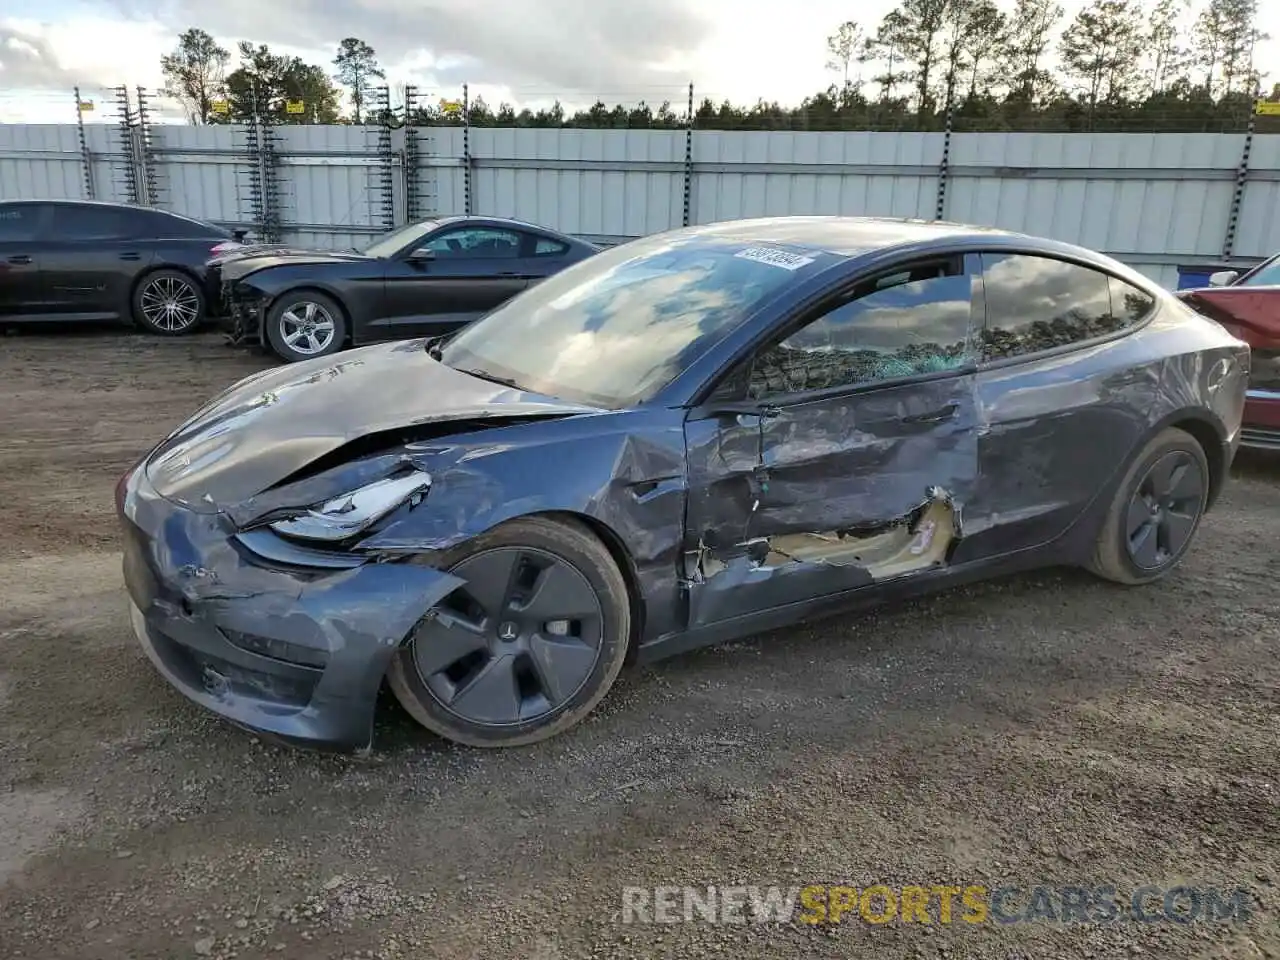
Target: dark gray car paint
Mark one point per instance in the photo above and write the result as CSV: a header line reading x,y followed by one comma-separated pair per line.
x,y
658,482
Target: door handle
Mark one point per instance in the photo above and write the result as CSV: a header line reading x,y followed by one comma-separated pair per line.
x,y
130,256
934,416
20,258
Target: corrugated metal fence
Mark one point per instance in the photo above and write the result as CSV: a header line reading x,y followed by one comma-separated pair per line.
x,y
1157,201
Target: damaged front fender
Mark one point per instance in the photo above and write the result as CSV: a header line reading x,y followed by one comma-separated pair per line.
x,y
296,652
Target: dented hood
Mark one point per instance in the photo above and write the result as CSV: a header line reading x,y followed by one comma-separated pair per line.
x,y
269,426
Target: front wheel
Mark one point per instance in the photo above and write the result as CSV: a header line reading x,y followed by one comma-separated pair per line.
x,y
527,647
305,325
1156,511
168,302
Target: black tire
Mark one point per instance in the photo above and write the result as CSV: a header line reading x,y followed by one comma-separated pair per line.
x,y
578,553
169,303
1115,557
327,336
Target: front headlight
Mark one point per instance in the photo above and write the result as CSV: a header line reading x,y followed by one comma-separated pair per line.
x,y
347,515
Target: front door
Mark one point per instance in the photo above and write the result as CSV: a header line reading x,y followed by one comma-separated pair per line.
x,y
452,278
842,454
22,288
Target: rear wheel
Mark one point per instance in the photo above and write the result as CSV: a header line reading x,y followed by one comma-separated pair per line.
x,y
527,647
1156,511
305,325
168,302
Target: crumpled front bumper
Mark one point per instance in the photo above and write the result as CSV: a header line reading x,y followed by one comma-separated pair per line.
x,y
291,650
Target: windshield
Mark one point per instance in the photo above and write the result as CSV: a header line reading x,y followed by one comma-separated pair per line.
x,y
1266,275
616,328
389,243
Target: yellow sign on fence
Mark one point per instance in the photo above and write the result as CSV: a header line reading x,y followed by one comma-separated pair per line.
x,y
86,106
220,106
1267,108
450,106
295,106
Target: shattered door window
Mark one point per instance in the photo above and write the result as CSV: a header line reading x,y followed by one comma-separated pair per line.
x,y
910,323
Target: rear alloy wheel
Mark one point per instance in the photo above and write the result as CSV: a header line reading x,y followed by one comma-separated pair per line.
x,y
305,325
527,647
168,303
1156,511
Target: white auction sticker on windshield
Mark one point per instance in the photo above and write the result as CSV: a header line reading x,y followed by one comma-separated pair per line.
x,y
775,257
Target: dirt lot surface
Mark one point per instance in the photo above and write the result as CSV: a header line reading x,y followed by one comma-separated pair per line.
x,y
1047,729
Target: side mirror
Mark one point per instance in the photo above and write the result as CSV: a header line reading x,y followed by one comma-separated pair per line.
x,y
239,235
1223,278
422,254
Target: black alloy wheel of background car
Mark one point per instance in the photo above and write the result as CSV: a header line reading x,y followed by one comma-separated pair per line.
x,y
169,303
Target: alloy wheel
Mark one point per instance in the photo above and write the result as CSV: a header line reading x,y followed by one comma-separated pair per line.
x,y
307,328
1163,510
516,642
170,304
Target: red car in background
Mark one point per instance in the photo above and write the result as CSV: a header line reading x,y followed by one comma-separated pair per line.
x,y
1248,305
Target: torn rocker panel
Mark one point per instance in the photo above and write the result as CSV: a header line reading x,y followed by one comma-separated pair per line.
x,y
915,541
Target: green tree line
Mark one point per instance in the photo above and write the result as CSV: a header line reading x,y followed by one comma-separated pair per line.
x,y
980,65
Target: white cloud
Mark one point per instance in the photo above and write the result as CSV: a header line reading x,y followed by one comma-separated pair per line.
x,y
532,53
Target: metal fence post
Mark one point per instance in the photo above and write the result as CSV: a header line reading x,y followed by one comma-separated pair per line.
x,y
944,167
688,157
86,158
1237,199
466,151
128,163
146,154
384,181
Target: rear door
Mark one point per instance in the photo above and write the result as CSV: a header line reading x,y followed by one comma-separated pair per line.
x,y
22,287
91,258
450,279
1057,389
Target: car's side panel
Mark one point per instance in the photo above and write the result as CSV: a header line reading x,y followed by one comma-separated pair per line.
x,y
627,481
357,285
815,474
859,482
1058,430
24,289
437,296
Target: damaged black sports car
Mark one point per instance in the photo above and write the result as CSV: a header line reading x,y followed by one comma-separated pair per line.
x,y
689,438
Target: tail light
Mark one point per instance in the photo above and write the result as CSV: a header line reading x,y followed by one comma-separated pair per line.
x,y
225,246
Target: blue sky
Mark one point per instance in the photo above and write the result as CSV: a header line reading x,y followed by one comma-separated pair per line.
x,y
527,52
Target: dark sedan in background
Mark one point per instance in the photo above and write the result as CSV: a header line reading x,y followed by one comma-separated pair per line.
x,y
1248,305
430,277
85,260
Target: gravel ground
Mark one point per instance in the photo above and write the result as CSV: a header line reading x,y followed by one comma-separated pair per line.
x,y
1045,729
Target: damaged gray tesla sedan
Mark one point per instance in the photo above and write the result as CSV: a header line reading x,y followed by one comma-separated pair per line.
x,y
689,438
